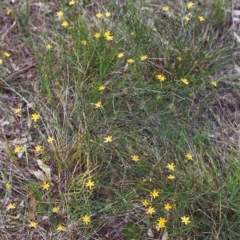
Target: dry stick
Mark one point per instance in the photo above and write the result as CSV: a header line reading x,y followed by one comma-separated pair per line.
x,y
16,73
6,33
12,76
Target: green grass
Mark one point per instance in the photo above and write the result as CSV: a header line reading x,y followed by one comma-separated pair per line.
x,y
158,121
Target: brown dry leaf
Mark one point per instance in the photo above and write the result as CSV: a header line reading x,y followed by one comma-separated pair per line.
x,y
32,202
32,216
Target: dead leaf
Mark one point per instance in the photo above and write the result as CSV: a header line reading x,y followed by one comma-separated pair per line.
x,y
150,233
32,202
39,175
31,216
18,141
165,235
4,122
45,218
46,169
22,204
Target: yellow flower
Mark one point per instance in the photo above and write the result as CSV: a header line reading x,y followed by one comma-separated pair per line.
x,y
154,193
107,139
90,184
201,18
8,12
65,24
32,224
45,185
185,220
35,116
60,14
187,18
71,3
50,139
17,110
48,46
11,206
189,156
130,60
98,105
179,58
107,33
150,210
83,42
1,61
60,228
8,186
143,57
55,209
97,35
165,8
6,54
86,219
109,38
214,83
145,202
171,166
160,77
99,15
108,14
167,206
190,5
185,81
38,148
161,222
120,54
17,149
171,177
135,158
101,88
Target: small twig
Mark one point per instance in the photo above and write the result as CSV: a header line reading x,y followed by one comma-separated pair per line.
x,y
12,76
16,73
23,98
6,33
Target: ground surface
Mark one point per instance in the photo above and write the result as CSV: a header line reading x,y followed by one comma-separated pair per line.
x,y
119,120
